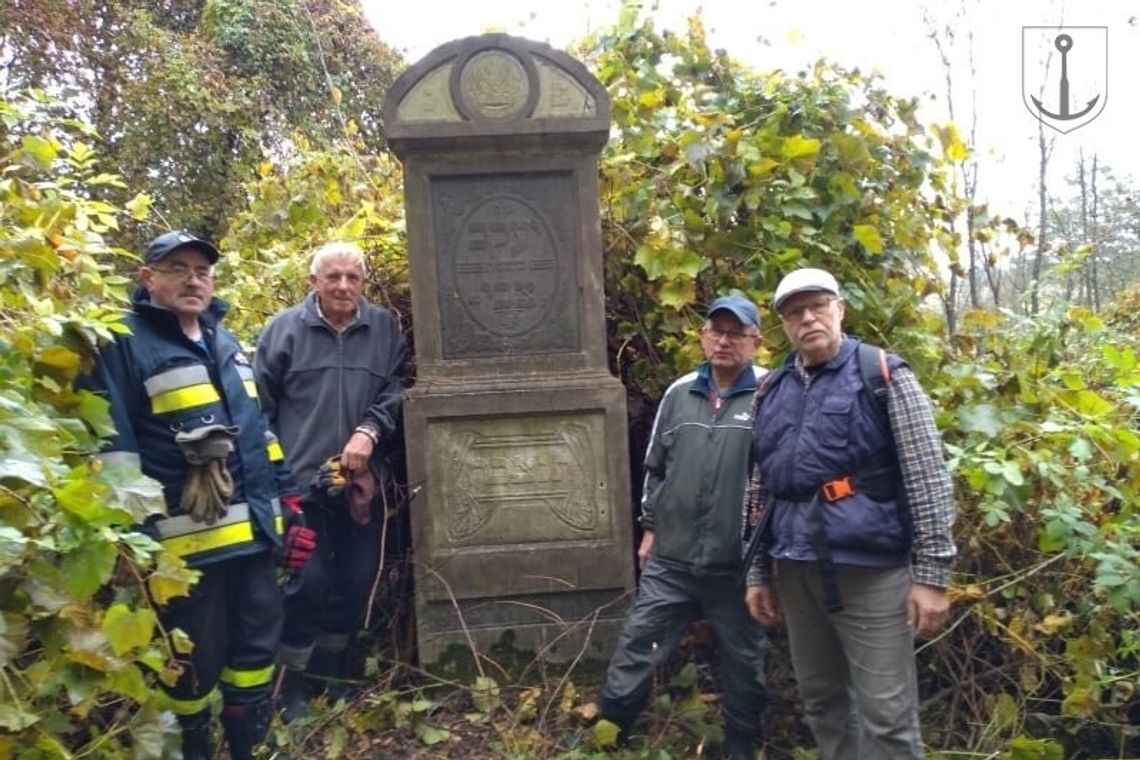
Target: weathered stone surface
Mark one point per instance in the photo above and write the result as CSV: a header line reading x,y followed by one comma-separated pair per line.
x,y
515,427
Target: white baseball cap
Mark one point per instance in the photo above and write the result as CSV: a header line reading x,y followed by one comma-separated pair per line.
x,y
804,281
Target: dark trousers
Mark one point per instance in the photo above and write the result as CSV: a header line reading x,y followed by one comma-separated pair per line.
x,y
233,615
668,600
329,594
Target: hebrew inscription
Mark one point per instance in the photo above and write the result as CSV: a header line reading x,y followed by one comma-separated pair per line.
x,y
508,284
521,480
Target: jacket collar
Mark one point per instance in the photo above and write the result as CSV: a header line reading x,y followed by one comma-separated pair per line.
x,y
846,348
746,382
311,312
166,318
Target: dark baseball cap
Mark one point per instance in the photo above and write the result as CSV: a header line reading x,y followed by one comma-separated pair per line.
x,y
739,306
169,242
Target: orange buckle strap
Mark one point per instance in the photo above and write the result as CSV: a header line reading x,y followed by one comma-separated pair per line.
x,y
837,489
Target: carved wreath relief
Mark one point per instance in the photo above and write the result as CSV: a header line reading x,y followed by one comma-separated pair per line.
x,y
495,84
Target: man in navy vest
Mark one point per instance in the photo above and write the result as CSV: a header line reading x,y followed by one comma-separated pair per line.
x,y
695,468
854,510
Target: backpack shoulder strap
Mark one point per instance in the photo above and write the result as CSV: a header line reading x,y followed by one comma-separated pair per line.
x,y
876,374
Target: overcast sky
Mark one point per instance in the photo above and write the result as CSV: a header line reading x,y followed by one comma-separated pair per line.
x,y
892,39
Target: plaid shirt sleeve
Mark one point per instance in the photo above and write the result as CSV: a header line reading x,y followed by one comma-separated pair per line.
x,y
925,479
755,496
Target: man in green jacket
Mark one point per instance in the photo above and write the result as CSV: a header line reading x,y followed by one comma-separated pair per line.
x,y
691,551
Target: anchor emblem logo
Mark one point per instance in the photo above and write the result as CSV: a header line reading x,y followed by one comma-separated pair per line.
x,y
1045,69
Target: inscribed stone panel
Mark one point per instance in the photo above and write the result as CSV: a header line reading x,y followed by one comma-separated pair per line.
x,y
507,264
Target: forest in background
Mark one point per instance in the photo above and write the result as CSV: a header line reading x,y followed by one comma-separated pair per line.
x,y
256,122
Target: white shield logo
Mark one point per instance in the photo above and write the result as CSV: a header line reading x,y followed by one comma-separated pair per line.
x,y
1064,74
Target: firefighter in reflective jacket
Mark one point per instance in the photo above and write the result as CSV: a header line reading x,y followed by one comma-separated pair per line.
x,y
184,404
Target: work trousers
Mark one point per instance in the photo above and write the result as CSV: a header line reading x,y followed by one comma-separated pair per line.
x,y
233,616
855,668
325,600
668,600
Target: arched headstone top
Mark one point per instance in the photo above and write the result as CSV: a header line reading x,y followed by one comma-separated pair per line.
x,y
495,86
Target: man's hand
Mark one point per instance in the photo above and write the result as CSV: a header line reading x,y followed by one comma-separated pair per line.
x,y
357,451
926,609
645,547
300,541
764,606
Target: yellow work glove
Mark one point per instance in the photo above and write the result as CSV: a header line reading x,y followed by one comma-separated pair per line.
x,y
330,481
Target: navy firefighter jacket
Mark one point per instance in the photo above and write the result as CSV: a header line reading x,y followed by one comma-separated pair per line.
x,y
814,427
160,382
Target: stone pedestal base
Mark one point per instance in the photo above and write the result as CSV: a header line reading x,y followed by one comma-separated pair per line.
x,y
522,530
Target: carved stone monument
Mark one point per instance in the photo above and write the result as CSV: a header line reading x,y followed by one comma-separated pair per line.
x,y
515,427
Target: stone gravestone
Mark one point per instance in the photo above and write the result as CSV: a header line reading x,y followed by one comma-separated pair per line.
x,y
515,428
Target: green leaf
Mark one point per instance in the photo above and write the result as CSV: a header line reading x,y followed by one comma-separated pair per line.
x,y
12,544
16,466
650,259
14,719
96,412
1025,748
1080,449
485,694
1012,473
1093,404
431,735
129,682
982,418
87,567
14,638
43,151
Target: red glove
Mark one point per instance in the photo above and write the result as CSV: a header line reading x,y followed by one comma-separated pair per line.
x,y
300,542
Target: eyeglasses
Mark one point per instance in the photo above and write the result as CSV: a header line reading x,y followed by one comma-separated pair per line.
x,y
734,335
817,309
185,271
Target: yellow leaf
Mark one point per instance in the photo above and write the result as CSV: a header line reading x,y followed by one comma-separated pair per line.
x,y
569,697
869,238
336,95
171,578
1053,624
128,629
762,167
181,642
527,709
606,733
798,146
62,359
587,712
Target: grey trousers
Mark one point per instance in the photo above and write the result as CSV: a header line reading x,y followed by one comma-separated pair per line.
x,y
854,669
668,600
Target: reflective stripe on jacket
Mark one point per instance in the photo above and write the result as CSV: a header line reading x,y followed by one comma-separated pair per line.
x,y
159,383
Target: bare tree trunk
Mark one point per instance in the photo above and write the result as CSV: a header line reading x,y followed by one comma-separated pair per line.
x,y
1094,241
1085,237
1042,208
967,167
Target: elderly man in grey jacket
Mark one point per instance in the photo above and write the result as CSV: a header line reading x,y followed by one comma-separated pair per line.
x,y
330,372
